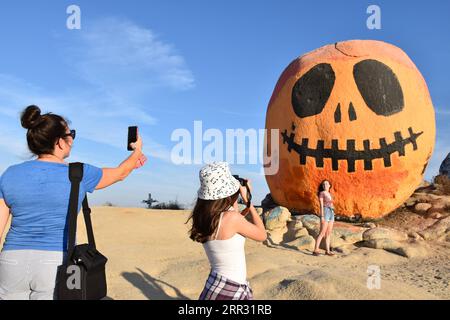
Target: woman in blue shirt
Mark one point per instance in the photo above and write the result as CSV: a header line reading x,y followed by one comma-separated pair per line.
x,y
36,195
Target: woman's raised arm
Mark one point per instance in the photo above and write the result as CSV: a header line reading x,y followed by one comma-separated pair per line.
x,y
254,230
113,175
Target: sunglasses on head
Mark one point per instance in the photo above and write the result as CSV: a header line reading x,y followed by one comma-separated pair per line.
x,y
71,134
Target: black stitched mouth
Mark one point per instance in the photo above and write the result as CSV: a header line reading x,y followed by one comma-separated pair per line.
x,y
351,154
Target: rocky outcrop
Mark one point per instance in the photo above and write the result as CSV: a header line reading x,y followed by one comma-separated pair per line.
x,y
301,231
442,184
421,202
424,217
384,233
343,233
311,222
276,218
444,169
268,203
275,221
404,249
422,207
438,231
304,242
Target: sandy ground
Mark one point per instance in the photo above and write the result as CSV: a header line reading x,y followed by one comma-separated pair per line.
x,y
151,257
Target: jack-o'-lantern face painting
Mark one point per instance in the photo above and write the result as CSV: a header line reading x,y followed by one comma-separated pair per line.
x,y
358,114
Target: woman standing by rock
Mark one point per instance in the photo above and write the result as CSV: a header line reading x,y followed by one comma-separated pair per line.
x,y
36,195
326,217
222,229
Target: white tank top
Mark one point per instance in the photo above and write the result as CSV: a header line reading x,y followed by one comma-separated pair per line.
x,y
227,257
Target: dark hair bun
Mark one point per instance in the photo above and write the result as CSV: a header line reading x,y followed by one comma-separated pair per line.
x,y
31,117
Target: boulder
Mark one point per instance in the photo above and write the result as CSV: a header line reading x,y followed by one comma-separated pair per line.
x,y
343,233
411,202
422,207
303,243
401,248
432,197
276,218
384,233
442,203
410,251
348,233
300,233
415,236
444,169
276,222
434,215
368,225
268,203
335,242
424,184
422,197
345,249
277,236
286,235
382,243
293,227
312,223
438,230
442,184
302,167
295,223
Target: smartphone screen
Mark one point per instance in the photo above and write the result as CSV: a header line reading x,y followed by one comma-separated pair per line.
x,y
132,136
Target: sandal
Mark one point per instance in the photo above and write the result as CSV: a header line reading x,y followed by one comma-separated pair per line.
x,y
316,253
330,253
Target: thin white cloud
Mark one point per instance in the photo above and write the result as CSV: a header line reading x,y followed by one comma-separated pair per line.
x,y
118,55
442,111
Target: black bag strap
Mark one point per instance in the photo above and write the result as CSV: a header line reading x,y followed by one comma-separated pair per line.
x,y
88,221
75,177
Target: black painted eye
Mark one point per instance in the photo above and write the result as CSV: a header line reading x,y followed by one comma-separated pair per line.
x,y
379,87
312,90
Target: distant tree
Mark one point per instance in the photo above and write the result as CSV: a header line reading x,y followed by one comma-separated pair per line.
x,y
171,205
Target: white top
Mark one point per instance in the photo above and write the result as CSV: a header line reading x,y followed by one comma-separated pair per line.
x,y
227,257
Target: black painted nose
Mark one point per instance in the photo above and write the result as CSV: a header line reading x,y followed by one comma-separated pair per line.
x,y
351,113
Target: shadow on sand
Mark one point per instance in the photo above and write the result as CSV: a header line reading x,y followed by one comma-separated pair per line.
x,y
151,287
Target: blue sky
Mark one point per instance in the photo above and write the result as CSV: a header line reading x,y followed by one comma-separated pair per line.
x,y
164,64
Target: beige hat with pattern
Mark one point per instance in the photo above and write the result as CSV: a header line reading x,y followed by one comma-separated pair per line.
x,y
217,182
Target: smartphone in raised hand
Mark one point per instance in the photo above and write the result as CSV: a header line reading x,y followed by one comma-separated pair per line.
x,y
132,136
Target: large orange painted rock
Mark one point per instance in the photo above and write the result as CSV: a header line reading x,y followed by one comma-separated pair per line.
x,y
357,113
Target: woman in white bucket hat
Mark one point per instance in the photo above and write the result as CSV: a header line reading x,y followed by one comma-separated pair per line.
x,y
222,229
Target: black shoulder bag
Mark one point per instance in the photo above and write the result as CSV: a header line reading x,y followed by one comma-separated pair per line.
x,y
82,276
